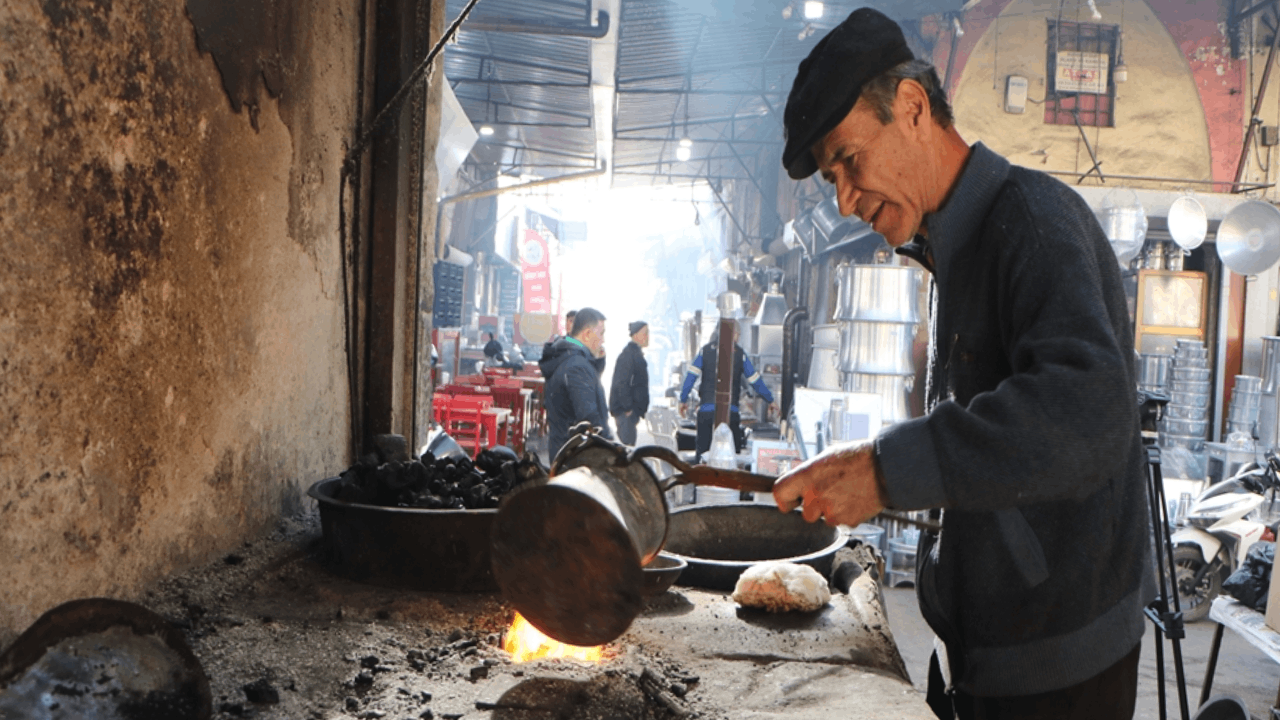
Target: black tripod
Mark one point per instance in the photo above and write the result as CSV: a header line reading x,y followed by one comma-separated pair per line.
x,y
1168,622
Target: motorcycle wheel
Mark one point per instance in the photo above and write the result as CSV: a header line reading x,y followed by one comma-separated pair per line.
x,y
1195,601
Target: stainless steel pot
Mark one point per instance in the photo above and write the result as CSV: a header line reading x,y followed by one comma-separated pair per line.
x,y
824,369
877,348
1153,370
882,293
892,390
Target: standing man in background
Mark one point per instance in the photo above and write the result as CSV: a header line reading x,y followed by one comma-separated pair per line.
x,y
704,369
573,391
629,391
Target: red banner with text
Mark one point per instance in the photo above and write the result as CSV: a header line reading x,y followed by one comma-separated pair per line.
x,y
535,265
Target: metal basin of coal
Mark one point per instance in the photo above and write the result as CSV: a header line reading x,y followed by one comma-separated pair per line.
x,y
411,548
719,542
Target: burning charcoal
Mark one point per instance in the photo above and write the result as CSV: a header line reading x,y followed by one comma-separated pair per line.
x,y
260,691
461,644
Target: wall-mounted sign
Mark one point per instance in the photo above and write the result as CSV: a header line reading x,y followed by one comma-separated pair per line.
x,y
1081,72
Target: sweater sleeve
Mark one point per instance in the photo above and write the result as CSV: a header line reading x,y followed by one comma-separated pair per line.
x,y
1062,421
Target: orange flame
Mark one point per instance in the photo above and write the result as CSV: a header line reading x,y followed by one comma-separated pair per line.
x,y
526,642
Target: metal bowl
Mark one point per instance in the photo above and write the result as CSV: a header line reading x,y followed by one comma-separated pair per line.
x,y
661,573
413,548
719,542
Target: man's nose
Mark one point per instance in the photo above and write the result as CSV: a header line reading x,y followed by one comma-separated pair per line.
x,y
846,196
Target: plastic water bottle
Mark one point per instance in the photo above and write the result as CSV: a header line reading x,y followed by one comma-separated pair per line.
x,y
722,453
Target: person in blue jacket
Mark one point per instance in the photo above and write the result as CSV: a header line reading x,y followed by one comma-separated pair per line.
x,y
703,373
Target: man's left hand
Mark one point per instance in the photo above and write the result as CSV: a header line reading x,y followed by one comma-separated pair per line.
x,y
841,486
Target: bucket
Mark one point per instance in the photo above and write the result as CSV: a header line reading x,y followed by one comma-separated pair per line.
x,y
900,565
869,534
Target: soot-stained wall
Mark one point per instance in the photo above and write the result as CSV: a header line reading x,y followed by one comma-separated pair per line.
x,y
172,363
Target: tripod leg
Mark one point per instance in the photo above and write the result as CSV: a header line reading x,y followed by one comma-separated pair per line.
x,y
1212,667
1160,689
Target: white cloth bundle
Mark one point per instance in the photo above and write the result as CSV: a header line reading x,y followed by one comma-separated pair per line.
x,y
782,587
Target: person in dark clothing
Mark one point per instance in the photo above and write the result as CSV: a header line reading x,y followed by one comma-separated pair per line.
x,y
493,351
629,391
573,391
598,362
704,369
1030,452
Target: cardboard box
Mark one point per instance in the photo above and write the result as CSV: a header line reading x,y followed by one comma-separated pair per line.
x,y
1273,602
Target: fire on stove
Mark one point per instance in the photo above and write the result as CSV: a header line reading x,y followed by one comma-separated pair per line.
x,y
525,642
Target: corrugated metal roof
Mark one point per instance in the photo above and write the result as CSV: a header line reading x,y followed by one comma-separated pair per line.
x,y
716,71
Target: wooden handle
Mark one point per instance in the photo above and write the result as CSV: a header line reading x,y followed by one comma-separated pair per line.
x,y
732,479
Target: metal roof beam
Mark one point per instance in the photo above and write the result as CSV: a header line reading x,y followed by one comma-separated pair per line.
x,y
713,141
521,83
522,63
530,108
681,91
755,65
557,153
692,121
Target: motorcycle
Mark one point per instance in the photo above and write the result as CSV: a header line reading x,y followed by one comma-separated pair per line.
x,y
1218,533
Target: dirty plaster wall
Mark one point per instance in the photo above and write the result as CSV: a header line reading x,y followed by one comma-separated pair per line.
x,y
1160,127
172,365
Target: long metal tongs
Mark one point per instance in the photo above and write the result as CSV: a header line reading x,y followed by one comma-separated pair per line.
x,y
733,479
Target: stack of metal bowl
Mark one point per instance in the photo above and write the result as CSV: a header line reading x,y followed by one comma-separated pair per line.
x,y
878,311
1153,372
1186,422
1246,400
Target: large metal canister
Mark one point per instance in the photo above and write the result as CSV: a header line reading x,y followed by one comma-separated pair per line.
x,y
877,348
879,293
892,389
824,361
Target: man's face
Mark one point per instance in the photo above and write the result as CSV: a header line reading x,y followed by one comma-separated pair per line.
x,y
593,338
880,171
642,337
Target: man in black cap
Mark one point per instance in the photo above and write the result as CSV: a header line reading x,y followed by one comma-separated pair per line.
x,y
629,391
1030,453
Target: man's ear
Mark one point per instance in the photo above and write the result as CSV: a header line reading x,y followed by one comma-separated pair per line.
x,y
912,102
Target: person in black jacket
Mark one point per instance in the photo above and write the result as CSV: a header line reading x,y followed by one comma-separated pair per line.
x,y
598,361
1030,452
573,391
629,391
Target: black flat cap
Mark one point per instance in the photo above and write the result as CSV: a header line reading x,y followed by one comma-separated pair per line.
x,y
636,327
829,81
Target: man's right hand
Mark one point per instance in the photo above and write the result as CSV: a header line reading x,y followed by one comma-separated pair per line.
x,y
841,486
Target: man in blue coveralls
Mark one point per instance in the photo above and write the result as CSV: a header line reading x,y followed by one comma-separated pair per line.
x,y
704,368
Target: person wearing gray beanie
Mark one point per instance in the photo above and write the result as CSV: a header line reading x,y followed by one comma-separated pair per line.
x,y
629,391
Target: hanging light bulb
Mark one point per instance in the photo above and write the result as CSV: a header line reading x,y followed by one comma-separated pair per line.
x,y
686,142
486,130
813,9
683,153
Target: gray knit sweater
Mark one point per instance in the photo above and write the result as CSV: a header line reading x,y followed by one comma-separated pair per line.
x,y
1032,444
